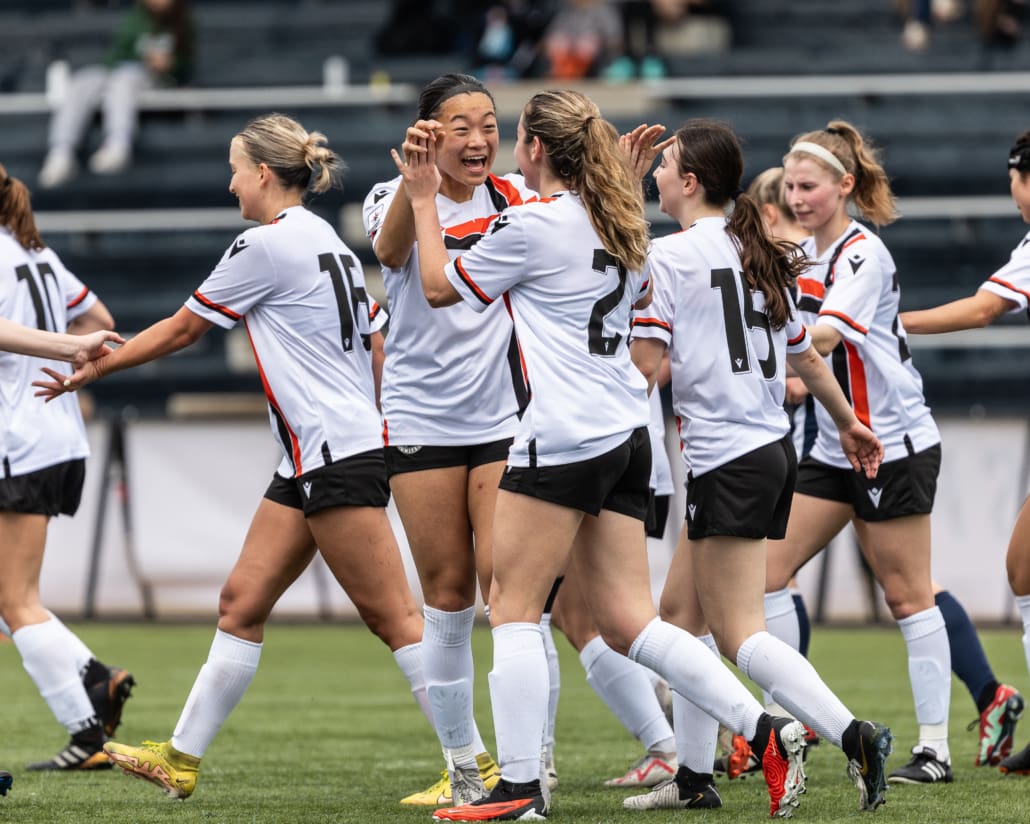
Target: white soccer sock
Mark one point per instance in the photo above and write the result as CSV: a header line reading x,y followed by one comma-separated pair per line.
x,y
781,619
80,653
626,690
697,675
220,684
929,671
518,693
4,629
409,659
1023,603
793,682
697,733
554,679
48,658
449,672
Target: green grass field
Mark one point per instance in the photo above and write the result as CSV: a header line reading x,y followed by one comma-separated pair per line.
x,y
329,733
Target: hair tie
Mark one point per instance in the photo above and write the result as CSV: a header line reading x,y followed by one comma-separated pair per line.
x,y
833,130
736,193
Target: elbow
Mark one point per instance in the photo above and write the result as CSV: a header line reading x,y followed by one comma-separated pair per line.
x,y
438,298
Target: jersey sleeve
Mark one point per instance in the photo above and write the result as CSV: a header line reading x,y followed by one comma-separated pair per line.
x,y
798,339
244,276
377,202
850,303
655,320
494,264
377,318
78,298
1012,281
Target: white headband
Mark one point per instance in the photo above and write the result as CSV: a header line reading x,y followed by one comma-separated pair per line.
x,y
821,152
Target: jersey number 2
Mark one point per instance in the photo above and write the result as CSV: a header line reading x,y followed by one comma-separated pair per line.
x,y
348,296
599,343
725,280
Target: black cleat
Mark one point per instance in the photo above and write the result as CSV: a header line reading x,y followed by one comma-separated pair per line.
x,y
867,746
924,768
109,695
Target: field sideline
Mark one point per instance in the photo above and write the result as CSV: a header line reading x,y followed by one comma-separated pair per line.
x,y
329,733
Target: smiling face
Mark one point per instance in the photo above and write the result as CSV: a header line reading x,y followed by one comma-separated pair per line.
x,y
1019,185
467,145
669,181
816,195
246,177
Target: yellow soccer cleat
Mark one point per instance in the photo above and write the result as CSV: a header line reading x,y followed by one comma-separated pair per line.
x,y
159,763
439,794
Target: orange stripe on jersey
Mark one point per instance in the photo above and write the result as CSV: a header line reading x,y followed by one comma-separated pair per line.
x,y
798,339
655,322
507,189
386,433
479,293
810,286
476,226
846,319
859,387
1008,285
294,442
855,239
217,307
79,298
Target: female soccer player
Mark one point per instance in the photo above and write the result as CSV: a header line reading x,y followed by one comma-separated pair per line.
x,y
569,268
44,459
849,299
1007,290
301,293
722,306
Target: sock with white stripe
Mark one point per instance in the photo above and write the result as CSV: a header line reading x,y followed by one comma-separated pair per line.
x,y
793,682
697,733
692,671
219,687
49,659
518,693
929,671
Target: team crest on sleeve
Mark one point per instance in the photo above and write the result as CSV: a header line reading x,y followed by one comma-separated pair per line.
x,y
379,194
856,260
500,223
237,247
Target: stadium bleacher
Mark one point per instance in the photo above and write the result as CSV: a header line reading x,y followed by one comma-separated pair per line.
x,y
939,147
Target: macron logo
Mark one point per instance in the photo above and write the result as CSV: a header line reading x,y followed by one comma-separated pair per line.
x,y
874,496
237,247
307,488
691,508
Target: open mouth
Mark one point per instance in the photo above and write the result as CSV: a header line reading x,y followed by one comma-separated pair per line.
x,y
475,163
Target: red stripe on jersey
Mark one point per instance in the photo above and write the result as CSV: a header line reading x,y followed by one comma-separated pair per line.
x,y
859,387
210,304
522,358
1008,285
386,433
661,324
855,239
507,189
810,286
294,442
846,319
798,339
79,298
476,226
479,293
374,311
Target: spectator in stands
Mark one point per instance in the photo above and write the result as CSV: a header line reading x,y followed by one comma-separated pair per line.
x,y
44,453
641,20
153,48
582,37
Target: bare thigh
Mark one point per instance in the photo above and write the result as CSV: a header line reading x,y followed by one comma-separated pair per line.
x,y
898,551
360,548
22,541
277,549
813,523
433,505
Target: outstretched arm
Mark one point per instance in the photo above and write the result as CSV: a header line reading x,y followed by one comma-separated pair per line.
x,y
76,349
163,338
973,312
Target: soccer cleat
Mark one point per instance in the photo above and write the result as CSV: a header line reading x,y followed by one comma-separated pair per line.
x,y
924,768
159,763
109,695
1017,764
739,761
647,771
84,752
466,785
687,791
997,724
782,765
5,782
867,763
438,794
507,802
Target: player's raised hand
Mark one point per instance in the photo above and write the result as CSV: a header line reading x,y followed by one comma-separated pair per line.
x,y
642,146
418,169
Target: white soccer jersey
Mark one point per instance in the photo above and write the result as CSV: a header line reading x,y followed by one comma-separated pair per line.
x,y
728,364
853,287
452,375
571,308
1012,281
661,471
36,290
301,293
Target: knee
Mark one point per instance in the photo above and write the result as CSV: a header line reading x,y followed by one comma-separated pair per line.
x,y
240,614
399,627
